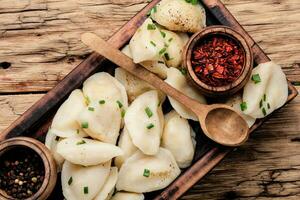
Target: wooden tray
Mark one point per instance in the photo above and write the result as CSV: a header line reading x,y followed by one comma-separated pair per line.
x,y
36,120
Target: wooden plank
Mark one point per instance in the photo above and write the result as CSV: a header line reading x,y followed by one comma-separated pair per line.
x,y
40,39
266,170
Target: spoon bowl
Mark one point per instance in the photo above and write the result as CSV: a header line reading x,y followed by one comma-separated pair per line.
x,y
224,126
218,121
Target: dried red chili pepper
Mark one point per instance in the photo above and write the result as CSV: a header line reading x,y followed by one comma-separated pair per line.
x,y
218,60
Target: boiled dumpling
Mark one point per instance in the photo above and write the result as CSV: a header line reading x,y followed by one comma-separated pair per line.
x,y
127,196
133,85
178,15
103,87
146,43
175,45
177,138
178,81
87,152
235,102
64,123
102,121
51,143
266,91
83,183
125,143
144,123
142,173
107,190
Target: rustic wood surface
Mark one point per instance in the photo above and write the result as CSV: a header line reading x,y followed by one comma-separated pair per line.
x,y
39,45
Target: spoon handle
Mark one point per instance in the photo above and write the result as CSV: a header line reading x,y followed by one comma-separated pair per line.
x,y
116,56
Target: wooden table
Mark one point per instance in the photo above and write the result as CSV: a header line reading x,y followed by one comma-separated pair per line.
x,y
39,45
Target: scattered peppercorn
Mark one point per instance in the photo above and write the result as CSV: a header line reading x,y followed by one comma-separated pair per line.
x,y
218,60
21,172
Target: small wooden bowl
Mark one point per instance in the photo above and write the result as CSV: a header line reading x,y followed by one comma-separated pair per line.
x,y
50,176
225,90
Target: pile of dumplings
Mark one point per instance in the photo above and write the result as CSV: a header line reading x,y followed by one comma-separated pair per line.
x,y
111,139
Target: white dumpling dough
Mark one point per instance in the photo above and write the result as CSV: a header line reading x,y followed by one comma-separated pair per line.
x,y
145,44
178,81
273,85
125,143
64,123
127,196
178,15
103,86
133,85
107,190
177,138
87,152
137,121
235,102
101,121
51,143
161,170
93,178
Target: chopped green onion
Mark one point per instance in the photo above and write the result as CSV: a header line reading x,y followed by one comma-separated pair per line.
x,y
170,40
70,180
77,131
102,102
194,2
264,111
87,100
154,9
119,104
80,142
86,190
123,112
146,173
151,27
153,43
84,125
163,34
149,112
91,109
243,106
183,71
150,126
256,78
167,56
57,138
269,106
162,51
265,97
261,103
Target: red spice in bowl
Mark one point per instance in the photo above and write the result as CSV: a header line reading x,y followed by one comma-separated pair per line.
x,y
218,60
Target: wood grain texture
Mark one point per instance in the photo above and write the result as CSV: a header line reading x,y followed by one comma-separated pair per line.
x,y
40,40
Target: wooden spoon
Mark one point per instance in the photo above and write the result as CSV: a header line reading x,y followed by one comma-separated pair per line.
x,y
219,122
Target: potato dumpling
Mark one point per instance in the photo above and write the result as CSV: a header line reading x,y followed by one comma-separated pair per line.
x,y
178,15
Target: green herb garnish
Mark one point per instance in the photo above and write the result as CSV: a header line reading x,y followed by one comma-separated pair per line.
x,y
151,27
268,106
86,190
162,51
265,97
146,173
80,142
84,125
119,104
264,111
91,109
149,112
256,78
170,40
70,180
161,62
194,2
167,56
243,106
102,102
87,100
183,71
153,43
123,112
261,103
56,138
150,126
163,34
77,131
